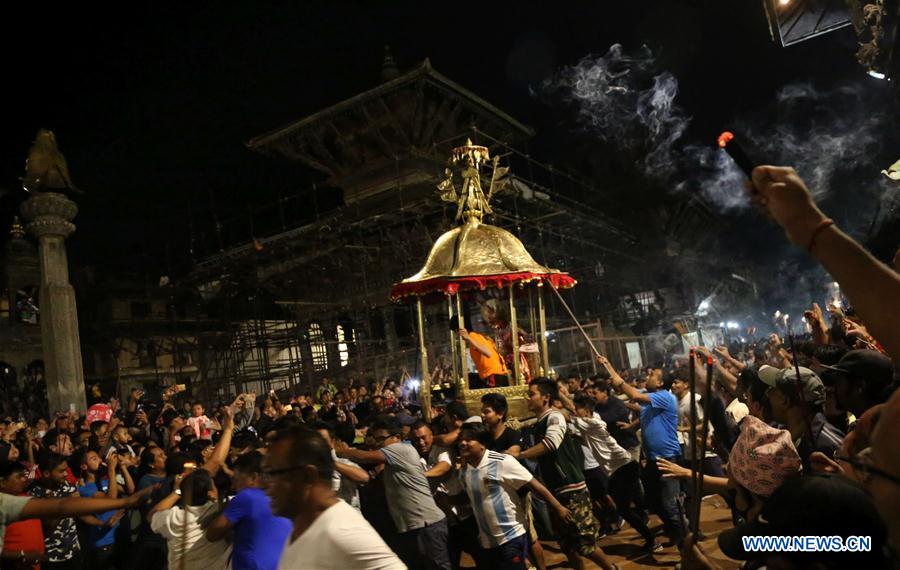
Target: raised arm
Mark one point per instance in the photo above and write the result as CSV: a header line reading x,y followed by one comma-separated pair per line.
x,y
112,465
619,383
565,398
723,352
126,475
871,286
220,453
476,344
29,446
720,373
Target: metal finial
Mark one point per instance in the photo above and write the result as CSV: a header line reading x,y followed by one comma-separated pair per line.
x,y
17,230
389,69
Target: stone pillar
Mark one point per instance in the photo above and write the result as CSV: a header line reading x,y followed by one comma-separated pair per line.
x,y
49,216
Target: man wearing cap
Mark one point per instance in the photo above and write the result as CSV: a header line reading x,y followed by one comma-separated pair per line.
x,y
861,379
798,406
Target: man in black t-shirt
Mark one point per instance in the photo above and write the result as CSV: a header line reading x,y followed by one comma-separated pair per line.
x,y
493,414
615,414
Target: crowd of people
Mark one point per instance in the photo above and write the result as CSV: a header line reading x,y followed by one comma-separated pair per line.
x,y
798,438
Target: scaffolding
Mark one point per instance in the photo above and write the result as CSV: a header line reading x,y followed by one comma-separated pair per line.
x,y
257,355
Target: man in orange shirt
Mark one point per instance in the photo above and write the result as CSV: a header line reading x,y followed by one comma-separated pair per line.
x,y
489,364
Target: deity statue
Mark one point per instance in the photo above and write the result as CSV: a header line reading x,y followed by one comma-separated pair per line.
x,y
497,317
46,168
472,196
472,203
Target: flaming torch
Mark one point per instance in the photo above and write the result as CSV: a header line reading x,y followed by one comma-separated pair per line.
x,y
729,144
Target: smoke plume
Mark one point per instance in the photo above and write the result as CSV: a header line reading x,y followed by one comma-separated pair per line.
x,y
626,101
621,100
824,133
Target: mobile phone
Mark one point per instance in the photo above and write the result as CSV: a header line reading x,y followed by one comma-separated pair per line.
x,y
180,387
72,408
190,465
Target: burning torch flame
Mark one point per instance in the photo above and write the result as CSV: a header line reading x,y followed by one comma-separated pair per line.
x,y
725,138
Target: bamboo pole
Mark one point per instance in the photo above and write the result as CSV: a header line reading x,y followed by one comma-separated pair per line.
x,y
454,347
464,364
542,316
423,355
575,319
514,332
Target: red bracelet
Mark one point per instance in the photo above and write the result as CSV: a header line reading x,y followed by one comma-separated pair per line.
x,y
821,226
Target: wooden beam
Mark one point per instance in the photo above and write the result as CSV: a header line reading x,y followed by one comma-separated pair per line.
x,y
431,122
395,122
321,151
418,117
292,151
385,146
345,144
449,122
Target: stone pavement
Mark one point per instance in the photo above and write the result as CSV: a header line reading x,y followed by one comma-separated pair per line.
x,y
624,548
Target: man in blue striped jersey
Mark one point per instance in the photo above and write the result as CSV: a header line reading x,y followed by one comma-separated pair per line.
x,y
490,480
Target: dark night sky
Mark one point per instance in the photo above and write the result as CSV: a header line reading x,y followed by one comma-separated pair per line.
x,y
152,108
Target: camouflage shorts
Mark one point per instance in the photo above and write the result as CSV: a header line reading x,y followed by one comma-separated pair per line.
x,y
580,534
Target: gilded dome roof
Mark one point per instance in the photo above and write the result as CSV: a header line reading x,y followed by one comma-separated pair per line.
x,y
476,249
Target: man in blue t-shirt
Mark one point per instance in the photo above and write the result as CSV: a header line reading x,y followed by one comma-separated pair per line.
x,y
659,433
101,535
259,536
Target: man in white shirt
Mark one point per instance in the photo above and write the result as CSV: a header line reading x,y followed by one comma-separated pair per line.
x,y
491,481
328,533
710,463
348,476
181,519
682,390
616,462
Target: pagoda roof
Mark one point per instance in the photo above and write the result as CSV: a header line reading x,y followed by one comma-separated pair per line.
x,y
424,72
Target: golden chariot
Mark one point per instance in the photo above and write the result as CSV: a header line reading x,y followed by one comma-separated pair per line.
x,y
474,258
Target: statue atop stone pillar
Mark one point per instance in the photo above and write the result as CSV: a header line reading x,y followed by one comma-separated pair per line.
x,y
49,213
